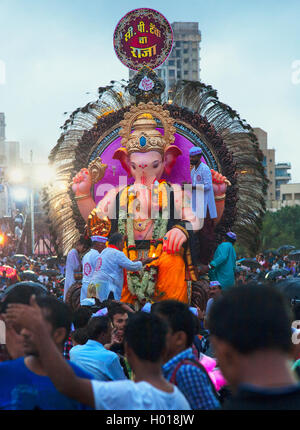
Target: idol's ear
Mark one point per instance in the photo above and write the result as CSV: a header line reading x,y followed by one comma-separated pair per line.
x,y
122,155
171,154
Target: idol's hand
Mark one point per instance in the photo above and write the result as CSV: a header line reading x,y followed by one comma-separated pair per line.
x,y
173,240
82,183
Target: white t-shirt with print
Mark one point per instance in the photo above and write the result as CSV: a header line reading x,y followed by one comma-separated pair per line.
x,y
128,395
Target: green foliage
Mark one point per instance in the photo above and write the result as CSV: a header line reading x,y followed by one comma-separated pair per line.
x,y
281,228
241,251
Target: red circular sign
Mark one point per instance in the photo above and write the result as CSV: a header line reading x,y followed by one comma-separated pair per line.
x,y
87,269
143,37
98,264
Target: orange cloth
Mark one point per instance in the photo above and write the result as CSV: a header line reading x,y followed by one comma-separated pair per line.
x,y
171,280
126,296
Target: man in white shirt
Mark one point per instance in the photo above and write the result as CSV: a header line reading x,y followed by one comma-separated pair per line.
x,y
145,345
109,272
201,174
73,263
89,263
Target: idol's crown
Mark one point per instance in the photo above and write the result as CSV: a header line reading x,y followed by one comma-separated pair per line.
x,y
145,137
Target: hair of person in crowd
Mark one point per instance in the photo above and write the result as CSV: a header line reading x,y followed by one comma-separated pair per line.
x,y
146,335
79,336
296,311
99,328
58,313
115,238
82,316
251,318
21,294
85,241
115,308
179,318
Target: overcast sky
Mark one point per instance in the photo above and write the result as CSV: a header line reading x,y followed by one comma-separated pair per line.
x,y
56,51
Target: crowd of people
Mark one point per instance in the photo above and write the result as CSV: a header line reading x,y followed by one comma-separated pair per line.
x,y
113,357
47,271
103,353
266,267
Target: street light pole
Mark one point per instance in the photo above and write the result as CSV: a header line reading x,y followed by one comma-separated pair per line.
x,y
32,205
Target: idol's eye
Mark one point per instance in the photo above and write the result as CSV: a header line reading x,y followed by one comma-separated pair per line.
x,y
155,165
133,166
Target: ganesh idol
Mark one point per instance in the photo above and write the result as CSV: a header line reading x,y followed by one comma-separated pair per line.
x,y
155,216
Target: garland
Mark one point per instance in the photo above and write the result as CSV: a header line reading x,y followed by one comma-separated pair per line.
x,y
142,284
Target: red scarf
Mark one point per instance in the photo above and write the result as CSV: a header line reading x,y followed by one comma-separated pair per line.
x,y
113,246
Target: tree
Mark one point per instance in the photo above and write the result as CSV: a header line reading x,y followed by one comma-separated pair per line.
x,y
281,228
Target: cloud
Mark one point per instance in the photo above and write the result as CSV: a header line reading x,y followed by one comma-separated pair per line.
x,y
262,92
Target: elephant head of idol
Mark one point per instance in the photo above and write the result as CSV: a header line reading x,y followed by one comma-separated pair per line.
x,y
145,153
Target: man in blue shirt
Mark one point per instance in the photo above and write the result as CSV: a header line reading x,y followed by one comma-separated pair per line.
x,y
93,357
24,381
180,366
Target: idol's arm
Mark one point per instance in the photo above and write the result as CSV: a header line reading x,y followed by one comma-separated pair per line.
x,y
82,185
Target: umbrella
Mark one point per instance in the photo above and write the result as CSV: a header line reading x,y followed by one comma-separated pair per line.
x,y
248,262
239,261
20,257
294,255
28,275
11,273
239,269
285,248
274,274
36,287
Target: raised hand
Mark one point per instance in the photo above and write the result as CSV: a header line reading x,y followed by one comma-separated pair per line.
x,y
148,260
220,183
25,316
173,240
82,183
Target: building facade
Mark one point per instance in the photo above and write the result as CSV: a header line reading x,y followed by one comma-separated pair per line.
x,y
10,156
289,196
268,162
282,177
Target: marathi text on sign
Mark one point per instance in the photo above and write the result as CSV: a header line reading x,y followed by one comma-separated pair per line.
x,y
143,37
